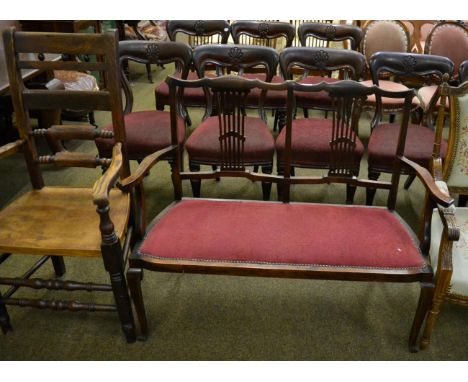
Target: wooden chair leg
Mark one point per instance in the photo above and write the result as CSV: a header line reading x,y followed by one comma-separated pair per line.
x,y
195,183
306,112
442,285
424,304
59,265
266,186
350,192
134,278
279,188
462,199
370,192
275,122
148,73
409,181
4,318
112,256
214,168
92,119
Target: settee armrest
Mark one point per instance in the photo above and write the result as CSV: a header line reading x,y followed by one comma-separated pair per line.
x,y
143,169
436,191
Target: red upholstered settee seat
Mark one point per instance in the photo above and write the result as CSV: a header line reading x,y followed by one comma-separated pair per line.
x,y
278,233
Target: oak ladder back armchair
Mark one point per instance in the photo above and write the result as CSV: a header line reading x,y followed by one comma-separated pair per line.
x,y
240,237
60,221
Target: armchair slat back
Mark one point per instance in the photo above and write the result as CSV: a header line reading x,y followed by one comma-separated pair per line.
x,y
24,99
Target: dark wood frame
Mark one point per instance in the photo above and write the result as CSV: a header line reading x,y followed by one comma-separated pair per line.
x,y
330,32
346,88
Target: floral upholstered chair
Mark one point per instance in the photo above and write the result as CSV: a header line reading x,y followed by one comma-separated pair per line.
x,y
448,228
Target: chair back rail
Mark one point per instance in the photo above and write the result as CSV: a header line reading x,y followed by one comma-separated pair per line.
x,y
200,32
329,32
321,60
463,72
312,41
24,99
150,52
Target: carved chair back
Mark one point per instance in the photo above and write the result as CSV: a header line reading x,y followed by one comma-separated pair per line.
x,y
454,170
384,36
273,34
148,52
24,99
325,33
235,58
229,97
200,32
322,60
410,69
449,39
347,98
312,41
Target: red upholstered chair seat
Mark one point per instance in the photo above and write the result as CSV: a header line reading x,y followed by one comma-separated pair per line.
x,y
273,99
203,144
276,233
192,96
389,103
314,99
419,142
311,143
146,132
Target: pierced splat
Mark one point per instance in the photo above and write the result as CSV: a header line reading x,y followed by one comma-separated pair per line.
x,y
346,115
231,117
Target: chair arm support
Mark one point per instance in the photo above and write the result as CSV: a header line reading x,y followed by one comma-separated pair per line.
x,y
437,195
104,184
447,215
11,148
142,170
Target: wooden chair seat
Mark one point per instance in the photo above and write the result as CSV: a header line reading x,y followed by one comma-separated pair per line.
x,y
419,142
240,234
310,144
59,221
459,279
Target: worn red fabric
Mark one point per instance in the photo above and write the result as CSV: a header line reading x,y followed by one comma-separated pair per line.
x,y
419,143
203,144
314,99
146,132
268,232
192,96
311,143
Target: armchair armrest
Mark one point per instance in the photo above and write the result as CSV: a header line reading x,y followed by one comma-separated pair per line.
x,y
439,196
145,166
11,148
104,184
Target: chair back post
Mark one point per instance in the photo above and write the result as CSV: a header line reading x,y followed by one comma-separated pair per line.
x,y
436,163
17,88
400,152
290,110
330,32
176,164
150,52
